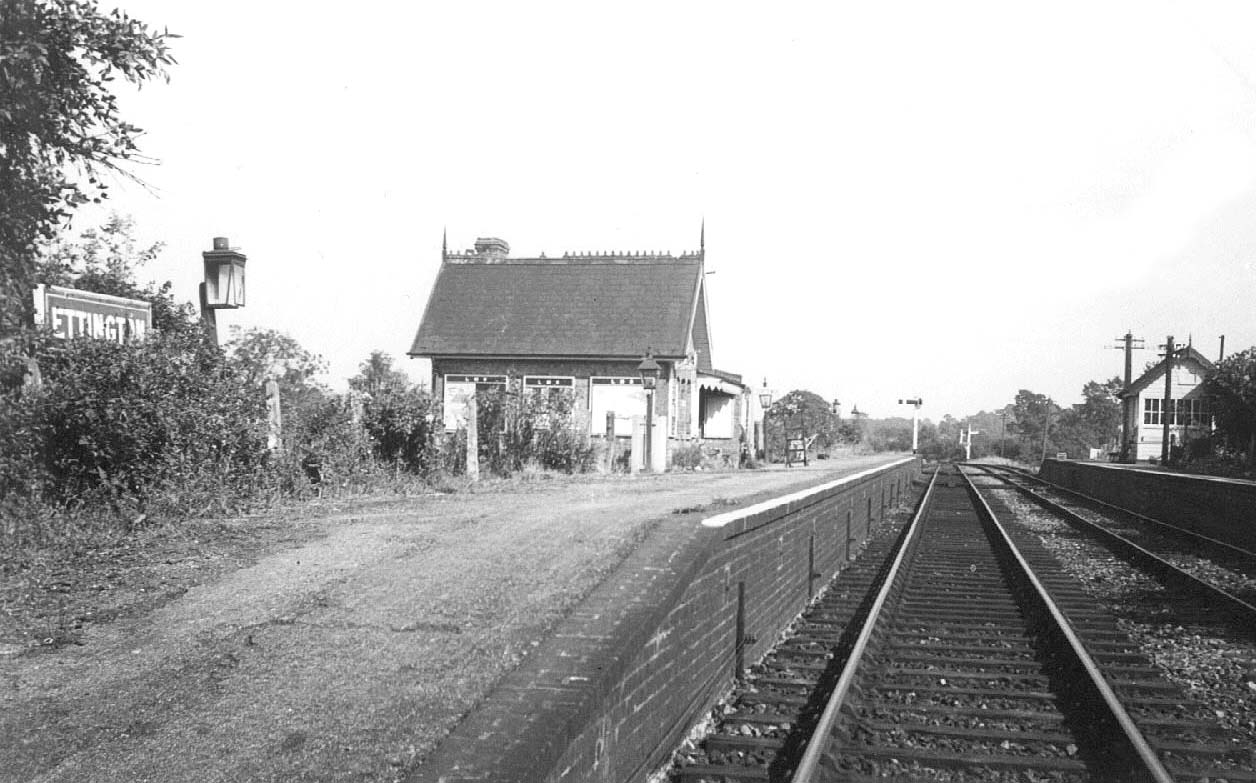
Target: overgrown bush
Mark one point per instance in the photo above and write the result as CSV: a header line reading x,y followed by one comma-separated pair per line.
x,y
515,430
401,424
687,457
114,423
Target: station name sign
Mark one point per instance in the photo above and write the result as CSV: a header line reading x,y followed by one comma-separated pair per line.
x,y
71,313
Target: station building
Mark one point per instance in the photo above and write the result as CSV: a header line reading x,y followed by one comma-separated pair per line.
x,y
1144,410
573,329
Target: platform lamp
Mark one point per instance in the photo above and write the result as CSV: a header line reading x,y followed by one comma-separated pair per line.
x,y
650,372
223,288
765,402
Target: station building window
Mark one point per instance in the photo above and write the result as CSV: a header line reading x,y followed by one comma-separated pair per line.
x,y
549,397
624,397
1182,413
1191,413
458,388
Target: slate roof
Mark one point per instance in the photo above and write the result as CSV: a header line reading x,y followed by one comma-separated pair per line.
x,y
730,377
575,306
1153,373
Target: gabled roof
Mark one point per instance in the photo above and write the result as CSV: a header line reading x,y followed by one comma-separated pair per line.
x,y
1157,371
605,306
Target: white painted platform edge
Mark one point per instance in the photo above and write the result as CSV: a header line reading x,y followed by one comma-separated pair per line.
x,y
1160,472
720,520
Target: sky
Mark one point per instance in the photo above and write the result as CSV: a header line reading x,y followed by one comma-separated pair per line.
x,y
952,201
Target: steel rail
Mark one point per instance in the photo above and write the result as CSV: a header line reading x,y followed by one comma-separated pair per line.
x,y
810,762
1138,743
1168,526
1144,557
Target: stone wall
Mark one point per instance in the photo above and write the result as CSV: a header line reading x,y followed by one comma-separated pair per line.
x,y
1221,508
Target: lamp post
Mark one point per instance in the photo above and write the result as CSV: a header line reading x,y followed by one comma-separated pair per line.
x,y
223,288
649,371
765,402
836,407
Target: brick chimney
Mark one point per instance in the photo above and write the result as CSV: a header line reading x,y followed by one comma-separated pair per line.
x,y
492,247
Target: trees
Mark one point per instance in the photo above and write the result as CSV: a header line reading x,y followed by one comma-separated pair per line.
x,y
60,128
893,434
1232,388
263,354
106,260
806,412
1101,409
1032,413
1093,424
377,375
396,415
314,420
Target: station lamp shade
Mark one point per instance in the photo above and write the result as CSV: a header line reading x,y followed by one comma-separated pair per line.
x,y
765,396
650,371
224,276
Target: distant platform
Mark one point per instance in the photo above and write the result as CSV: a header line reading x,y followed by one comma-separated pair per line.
x,y
1158,469
1224,508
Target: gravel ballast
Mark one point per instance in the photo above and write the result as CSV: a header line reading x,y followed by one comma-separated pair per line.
x,y
1213,663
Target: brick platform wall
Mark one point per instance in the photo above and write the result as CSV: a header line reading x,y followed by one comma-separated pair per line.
x,y
615,689
1221,508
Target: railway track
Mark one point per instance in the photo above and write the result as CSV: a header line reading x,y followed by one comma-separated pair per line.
x,y
770,716
1220,576
961,651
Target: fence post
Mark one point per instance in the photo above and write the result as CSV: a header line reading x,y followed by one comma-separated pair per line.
x,y
274,416
473,439
32,378
610,441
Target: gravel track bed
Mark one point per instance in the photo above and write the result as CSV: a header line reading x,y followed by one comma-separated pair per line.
x,y
907,770
1232,578
1213,664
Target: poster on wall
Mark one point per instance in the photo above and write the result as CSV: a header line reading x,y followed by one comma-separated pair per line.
x,y
458,389
625,397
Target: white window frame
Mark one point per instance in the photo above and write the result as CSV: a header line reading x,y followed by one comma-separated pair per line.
x,y
543,422
452,411
623,423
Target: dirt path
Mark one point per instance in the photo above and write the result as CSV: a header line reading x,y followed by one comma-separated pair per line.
x,y
347,657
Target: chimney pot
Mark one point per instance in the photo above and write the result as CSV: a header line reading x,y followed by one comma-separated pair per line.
x,y
221,243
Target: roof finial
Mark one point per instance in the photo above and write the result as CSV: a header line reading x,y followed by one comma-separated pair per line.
x,y
702,237
444,244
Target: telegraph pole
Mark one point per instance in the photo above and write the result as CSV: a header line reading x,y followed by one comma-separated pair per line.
x,y
1166,408
1130,343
